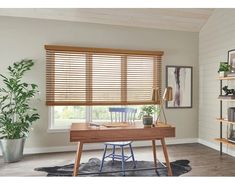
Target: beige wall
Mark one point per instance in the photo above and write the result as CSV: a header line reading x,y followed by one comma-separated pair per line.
x,y
215,39
25,38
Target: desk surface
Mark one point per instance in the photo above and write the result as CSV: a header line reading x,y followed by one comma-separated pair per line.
x,y
90,134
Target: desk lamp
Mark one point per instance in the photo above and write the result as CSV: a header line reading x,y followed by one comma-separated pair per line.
x,y
167,96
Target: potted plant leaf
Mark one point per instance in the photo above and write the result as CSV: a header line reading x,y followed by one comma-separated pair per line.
x,y
223,69
16,114
147,113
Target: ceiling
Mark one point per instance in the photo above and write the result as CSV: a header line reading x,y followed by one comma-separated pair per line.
x,y
191,20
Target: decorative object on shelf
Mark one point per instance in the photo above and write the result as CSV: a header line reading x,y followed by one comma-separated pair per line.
x,y
16,115
224,69
228,91
167,96
231,60
231,137
231,114
180,79
147,113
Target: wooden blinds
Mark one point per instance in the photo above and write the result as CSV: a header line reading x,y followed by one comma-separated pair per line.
x,y
95,76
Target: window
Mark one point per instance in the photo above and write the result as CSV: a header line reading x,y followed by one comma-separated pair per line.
x,y
63,116
85,81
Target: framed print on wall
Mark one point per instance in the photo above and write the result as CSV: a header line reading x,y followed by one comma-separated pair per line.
x,y
231,60
180,78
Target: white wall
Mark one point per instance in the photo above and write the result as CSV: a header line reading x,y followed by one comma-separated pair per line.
x,y
25,38
215,39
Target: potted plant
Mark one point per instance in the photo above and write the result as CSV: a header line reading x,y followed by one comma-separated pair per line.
x,y
223,69
147,112
16,115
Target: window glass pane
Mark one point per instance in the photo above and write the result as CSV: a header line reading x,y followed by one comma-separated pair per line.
x,y
101,114
138,107
65,115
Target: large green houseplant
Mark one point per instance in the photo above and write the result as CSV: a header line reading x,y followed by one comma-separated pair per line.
x,y
16,114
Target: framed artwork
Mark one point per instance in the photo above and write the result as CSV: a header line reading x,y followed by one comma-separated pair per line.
x,y
180,78
231,60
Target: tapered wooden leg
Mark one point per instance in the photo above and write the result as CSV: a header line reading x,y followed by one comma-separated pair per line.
x,y
154,153
77,159
166,157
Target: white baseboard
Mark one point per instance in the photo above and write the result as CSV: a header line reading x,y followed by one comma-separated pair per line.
x,y
215,146
97,146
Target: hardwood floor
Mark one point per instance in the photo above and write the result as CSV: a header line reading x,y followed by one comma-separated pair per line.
x,y
203,160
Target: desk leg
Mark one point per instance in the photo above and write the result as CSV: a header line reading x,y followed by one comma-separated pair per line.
x,y
154,153
77,159
166,157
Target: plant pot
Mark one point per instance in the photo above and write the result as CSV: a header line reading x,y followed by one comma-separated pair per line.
x,y
12,149
147,121
222,73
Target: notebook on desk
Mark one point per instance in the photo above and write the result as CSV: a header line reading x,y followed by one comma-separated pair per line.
x,y
116,124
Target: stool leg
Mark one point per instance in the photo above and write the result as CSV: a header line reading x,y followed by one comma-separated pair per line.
x,y
102,162
132,155
123,161
113,154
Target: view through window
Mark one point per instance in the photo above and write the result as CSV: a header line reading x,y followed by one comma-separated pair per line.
x,y
64,116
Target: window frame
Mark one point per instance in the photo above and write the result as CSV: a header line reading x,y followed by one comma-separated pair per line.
x,y
88,116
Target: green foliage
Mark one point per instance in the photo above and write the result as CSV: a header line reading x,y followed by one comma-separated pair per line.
x,y
16,115
224,66
148,110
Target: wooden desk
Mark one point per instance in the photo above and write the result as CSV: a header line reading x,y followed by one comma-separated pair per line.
x,y
84,133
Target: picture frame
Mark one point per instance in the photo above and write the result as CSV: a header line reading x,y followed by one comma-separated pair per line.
x,y
231,60
180,78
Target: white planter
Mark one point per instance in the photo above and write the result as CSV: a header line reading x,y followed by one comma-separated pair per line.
x,y
222,74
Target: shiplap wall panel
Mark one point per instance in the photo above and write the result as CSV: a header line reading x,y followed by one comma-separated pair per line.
x,y
215,39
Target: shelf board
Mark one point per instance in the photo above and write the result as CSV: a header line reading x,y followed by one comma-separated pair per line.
x,y
226,78
225,121
226,99
225,141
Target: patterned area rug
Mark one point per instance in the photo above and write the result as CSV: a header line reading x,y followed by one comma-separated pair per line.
x,y
179,167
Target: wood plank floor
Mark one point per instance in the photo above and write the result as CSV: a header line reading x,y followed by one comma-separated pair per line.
x,y
203,160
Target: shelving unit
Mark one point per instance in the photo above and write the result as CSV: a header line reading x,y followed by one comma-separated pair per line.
x,y
221,119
